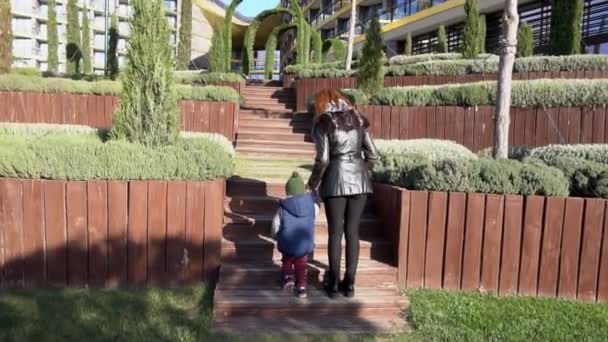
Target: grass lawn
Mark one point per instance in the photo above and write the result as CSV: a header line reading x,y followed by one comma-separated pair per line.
x,y
184,314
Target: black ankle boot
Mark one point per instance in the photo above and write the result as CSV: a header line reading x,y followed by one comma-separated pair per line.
x,y
347,288
332,287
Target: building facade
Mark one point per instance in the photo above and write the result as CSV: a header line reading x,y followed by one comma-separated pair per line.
x,y
30,22
422,18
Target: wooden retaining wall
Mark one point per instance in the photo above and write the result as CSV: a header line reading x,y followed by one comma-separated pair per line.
x,y
473,127
502,244
109,233
308,87
97,111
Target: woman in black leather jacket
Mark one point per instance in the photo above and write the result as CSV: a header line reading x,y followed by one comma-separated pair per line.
x,y
345,154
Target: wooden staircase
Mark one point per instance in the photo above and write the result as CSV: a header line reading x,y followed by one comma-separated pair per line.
x,y
248,297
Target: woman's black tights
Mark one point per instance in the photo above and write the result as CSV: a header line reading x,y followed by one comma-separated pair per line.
x,y
344,216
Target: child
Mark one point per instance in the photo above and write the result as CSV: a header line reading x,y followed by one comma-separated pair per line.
x,y
293,228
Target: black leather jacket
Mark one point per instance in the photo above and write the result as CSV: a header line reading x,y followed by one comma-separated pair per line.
x,y
344,158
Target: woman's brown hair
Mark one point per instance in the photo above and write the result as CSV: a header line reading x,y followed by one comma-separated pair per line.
x,y
325,97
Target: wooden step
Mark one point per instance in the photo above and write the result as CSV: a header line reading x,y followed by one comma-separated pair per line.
x,y
249,113
318,326
264,112
269,106
262,250
248,187
370,273
274,152
267,205
288,145
257,135
255,126
369,303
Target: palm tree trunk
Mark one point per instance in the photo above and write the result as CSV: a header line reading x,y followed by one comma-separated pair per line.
x,y
510,23
351,34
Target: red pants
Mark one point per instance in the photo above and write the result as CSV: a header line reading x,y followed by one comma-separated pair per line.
x,y
293,266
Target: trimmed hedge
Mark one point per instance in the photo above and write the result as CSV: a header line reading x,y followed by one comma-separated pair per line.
x,y
426,57
593,152
62,85
586,178
87,155
534,93
297,68
196,77
34,72
489,64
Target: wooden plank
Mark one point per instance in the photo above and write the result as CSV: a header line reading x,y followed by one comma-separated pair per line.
x,y
440,122
553,134
417,239
176,231
469,128
430,122
404,127
488,133
411,123
386,122
593,230
541,126
452,272
109,106
530,126
157,232
586,125
570,251
77,222
420,122
511,245
97,192
214,215
137,233
563,124
599,122
100,110
195,221
229,131
574,130
394,124
118,223
531,245
377,121
56,232
492,236
551,244
11,228
435,241
471,263
602,284
478,129
404,230
207,113
33,229
519,126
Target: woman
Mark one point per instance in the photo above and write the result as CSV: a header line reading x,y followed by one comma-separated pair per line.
x,y
345,154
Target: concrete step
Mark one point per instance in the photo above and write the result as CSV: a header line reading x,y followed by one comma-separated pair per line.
x,y
368,304
370,273
287,137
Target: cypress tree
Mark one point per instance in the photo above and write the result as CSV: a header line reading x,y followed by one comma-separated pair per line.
x,y
408,44
73,53
316,46
112,61
370,76
566,27
442,40
525,41
217,60
228,33
6,36
87,67
184,49
51,36
148,112
471,30
482,34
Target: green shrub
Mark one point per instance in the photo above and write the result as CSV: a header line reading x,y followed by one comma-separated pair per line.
x,y
525,41
536,93
112,68
39,130
87,65
298,68
184,48
446,67
566,27
217,60
33,72
325,73
482,34
334,50
442,40
73,49
87,156
211,78
586,178
471,48
52,37
67,86
426,57
6,36
370,76
593,152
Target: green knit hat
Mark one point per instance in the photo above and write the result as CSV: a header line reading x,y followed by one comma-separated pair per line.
x,y
295,185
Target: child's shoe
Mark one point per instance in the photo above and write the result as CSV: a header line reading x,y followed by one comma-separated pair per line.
x,y
300,292
288,283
